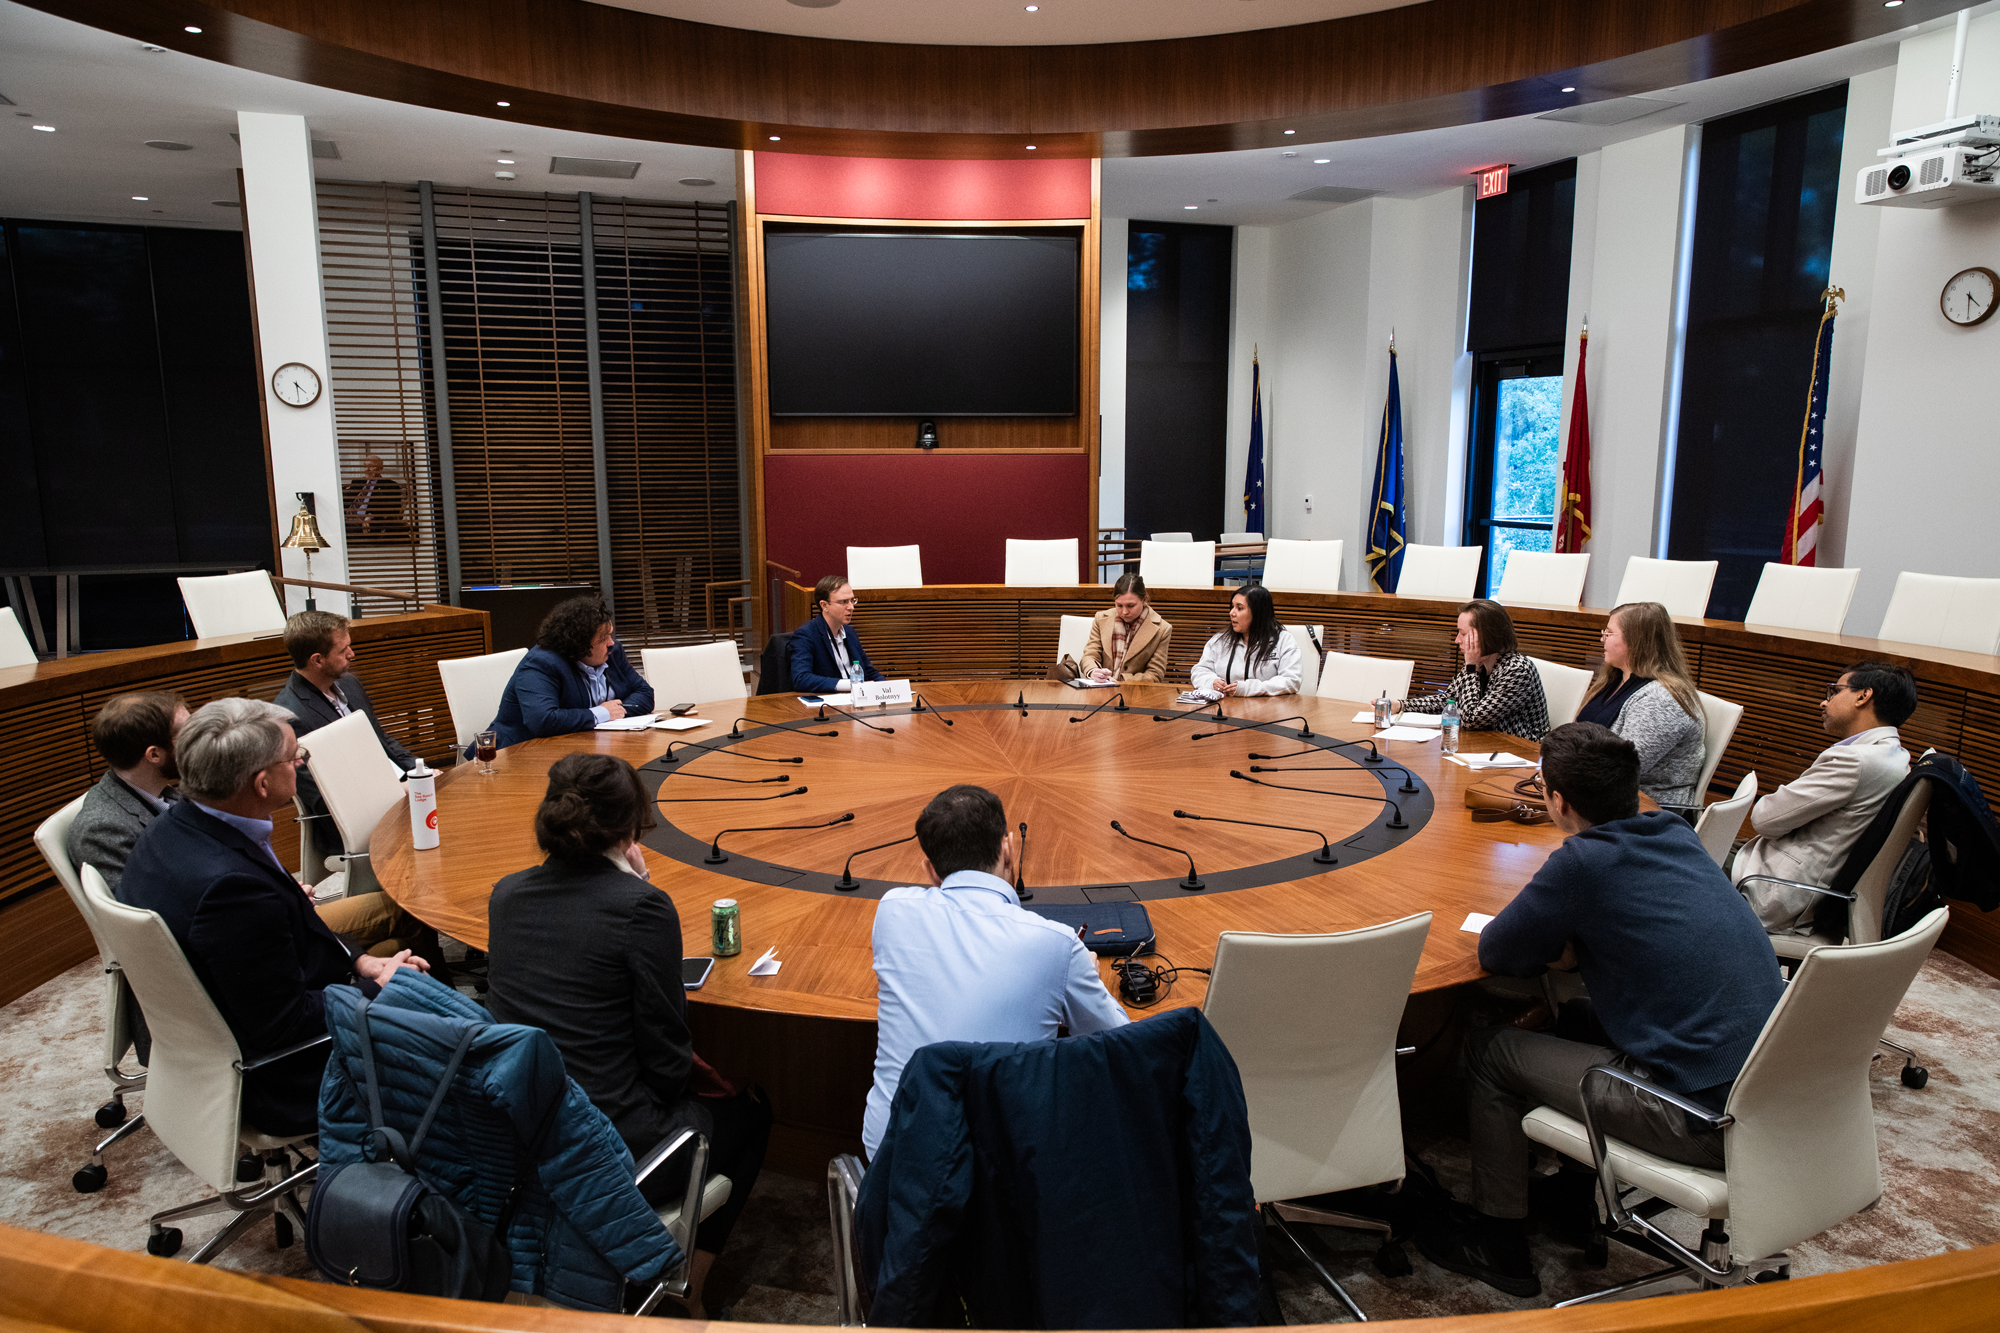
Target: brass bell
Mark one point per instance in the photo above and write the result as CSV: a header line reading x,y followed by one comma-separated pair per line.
x,y
305,536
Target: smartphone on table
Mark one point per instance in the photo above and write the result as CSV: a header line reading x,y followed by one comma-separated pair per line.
x,y
694,971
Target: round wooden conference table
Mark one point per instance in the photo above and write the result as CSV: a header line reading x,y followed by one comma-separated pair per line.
x,y
808,1030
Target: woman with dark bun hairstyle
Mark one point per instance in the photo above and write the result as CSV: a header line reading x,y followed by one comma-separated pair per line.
x,y
583,947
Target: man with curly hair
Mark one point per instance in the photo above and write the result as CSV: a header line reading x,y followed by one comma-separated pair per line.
x,y
576,676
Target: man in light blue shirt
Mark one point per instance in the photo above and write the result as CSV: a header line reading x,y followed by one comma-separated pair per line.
x,y
964,961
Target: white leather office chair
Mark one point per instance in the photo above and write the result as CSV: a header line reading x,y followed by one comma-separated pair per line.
x,y
359,783
1871,889
1943,612
233,604
1564,687
1719,823
1542,578
1173,536
1308,638
1719,720
1798,1129
1188,564
1801,597
1041,564
194,1086
119,1016
885,567
1301,566
1311,1022
1072,637
472,690
1236,568
696,673
1364,679
15,650
1682,586
1446,573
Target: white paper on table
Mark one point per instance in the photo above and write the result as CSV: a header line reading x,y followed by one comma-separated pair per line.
x,y
873,692
679,723
1496,759
767,966
1475,922
1404,719
1407,734
634,722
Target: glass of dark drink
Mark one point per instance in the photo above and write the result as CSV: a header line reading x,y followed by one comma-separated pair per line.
x,y
486,747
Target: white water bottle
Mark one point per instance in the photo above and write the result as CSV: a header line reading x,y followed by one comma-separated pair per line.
x,y
1448,723
423,807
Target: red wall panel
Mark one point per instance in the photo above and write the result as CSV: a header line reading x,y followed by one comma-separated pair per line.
x,y
930,191
960,508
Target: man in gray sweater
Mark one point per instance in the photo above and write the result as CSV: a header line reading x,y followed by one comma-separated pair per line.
x,y
135,734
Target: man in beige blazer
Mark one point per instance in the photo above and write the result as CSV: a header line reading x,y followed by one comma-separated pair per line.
x,y
1147,638
1805,827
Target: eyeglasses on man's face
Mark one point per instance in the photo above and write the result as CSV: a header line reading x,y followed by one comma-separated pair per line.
x,y
1837,687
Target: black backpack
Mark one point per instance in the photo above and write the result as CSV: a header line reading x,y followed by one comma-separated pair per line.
x,y
378,1224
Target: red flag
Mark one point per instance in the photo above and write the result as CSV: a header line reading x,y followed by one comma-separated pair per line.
x,y
1573,501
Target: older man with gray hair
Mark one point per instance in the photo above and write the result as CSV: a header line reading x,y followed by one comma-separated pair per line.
x,y
248,928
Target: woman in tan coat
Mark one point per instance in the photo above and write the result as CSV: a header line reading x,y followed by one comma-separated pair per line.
x,y
1129,641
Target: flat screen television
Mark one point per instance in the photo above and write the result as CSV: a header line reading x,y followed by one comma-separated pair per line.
x,y
935,324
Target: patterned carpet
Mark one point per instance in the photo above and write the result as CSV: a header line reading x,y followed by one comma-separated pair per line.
x,y
1940,1151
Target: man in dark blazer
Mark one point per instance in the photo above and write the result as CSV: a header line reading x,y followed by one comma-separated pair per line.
x,y
374,504
135,734
247,927
323,689
576,676
826,652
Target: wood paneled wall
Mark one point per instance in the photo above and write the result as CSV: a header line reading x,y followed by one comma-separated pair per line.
x,y
47,759
607,70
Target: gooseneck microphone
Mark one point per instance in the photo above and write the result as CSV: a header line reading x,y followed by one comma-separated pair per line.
x,y
853,716
1202,711
717,777
1118,699
711,800
736,735
670,756
716,856
1246,724
1374,756
923,705
1324,855
1409,780
1021,702
1396,822
1021,889
1190,882
847,880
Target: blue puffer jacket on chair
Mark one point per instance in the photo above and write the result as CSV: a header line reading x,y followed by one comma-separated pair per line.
x,y
579,1229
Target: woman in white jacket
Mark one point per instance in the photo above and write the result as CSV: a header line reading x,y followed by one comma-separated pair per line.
x,y
1254,655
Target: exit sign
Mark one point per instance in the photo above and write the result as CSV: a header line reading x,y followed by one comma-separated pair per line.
x,y
1492,181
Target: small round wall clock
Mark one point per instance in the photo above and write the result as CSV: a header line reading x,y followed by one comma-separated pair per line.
x,y
296,384
1968,298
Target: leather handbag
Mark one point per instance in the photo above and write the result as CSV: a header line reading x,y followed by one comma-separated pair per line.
x,y
1521,800
377,1223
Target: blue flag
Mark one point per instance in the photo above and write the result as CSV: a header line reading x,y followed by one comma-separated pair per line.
x,y
1253,478
1387,517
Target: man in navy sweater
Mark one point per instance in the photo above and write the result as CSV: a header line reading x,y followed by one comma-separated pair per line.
x,y
1681,979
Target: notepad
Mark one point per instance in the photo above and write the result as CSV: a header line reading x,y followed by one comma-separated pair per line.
x,y
679,723
1404,719
1400,733
1495,759
1475,922
635,722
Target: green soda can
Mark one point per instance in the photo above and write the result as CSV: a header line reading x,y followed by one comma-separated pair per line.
x,y
726,927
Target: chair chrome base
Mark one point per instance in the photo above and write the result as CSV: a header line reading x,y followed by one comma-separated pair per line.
x,y
267,1197
1275,1217
1714,1260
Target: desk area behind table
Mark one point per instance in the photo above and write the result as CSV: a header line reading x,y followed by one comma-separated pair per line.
x,y
47,758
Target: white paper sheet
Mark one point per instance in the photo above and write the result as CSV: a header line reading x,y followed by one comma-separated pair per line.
x,y
1495,759
1407,734
679,723
1475,922
1403,719
767,966
635,722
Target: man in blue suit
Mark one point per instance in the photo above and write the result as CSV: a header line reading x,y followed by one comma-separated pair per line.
x,y
826,652
576,676
247,927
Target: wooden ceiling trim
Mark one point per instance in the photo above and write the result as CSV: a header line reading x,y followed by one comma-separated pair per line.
x,y
597,69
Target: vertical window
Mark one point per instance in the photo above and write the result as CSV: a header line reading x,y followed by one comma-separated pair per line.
x,y
1763,241
1176,377
1520,306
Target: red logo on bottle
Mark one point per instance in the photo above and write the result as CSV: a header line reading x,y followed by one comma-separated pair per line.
x,y
431,820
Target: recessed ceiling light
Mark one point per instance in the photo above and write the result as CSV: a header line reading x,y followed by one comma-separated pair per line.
x,y
697,182
1321,161
1569,90
1288,154
46,129
503,104
191,28
1190,207
1892,4
156,50
1031,148
774,138
1033,8
1291,131
504,161
141,199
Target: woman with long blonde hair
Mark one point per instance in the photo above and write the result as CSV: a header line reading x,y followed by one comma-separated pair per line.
x,y
1644,692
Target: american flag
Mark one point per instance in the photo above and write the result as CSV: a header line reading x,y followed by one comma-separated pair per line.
x,y
1802,525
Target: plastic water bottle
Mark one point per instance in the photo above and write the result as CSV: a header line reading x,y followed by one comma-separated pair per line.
x,y
1385,709
423,807
1450,725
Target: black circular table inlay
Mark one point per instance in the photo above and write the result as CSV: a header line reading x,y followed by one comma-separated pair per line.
x,y
1402,791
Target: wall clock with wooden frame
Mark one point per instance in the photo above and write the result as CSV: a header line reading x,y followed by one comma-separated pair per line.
x,y
296,384
1969,297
